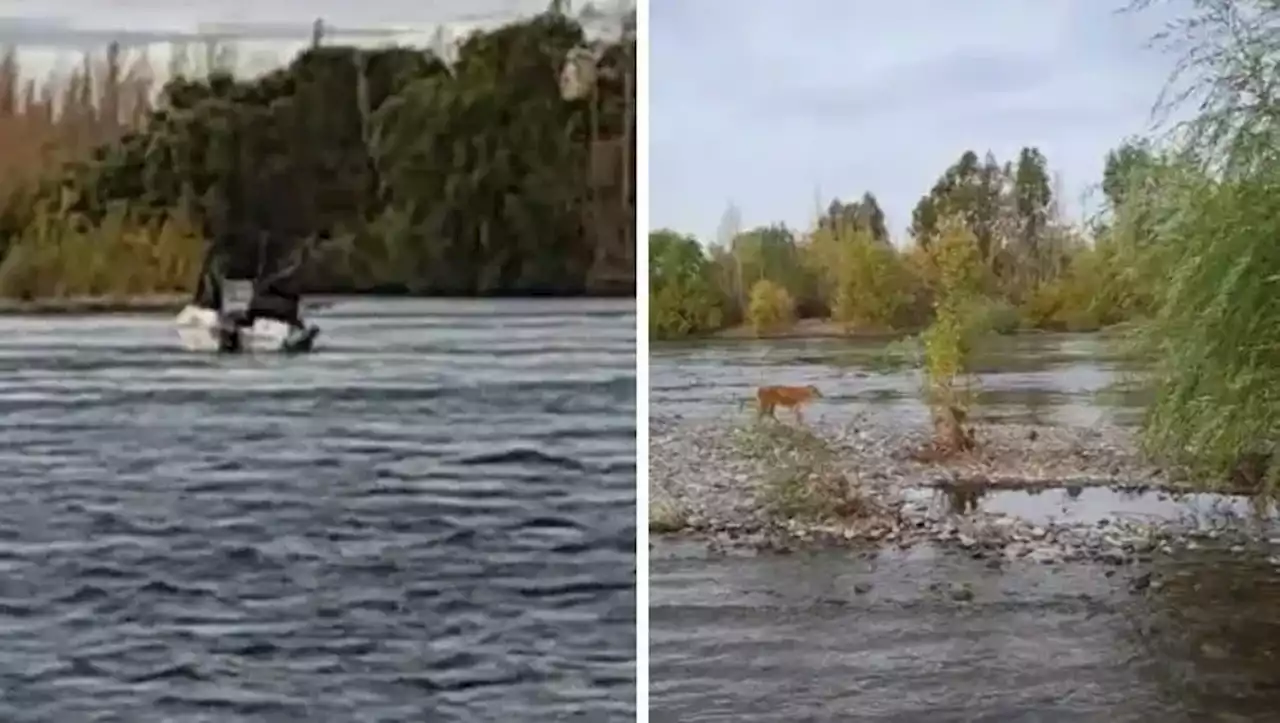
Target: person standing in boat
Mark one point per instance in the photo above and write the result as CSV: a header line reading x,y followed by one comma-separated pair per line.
x,y
273,302
276,296
209,286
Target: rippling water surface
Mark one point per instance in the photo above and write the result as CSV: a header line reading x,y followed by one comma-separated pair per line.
x,y
430,518
870,636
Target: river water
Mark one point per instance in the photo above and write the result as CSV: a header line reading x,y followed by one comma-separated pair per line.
x,y
862,635
430,518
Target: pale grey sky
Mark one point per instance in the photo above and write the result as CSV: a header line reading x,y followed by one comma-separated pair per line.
x,y
764,102
54,34
60,21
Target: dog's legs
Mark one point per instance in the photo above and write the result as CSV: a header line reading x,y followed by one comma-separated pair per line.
x,y
762,411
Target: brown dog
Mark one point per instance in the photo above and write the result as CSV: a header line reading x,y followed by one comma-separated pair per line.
x,y
769,398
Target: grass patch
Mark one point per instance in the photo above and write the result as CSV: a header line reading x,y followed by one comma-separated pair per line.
x,y
666,515
804,479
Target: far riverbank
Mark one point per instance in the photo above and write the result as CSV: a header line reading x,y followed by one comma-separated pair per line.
x,y
172,303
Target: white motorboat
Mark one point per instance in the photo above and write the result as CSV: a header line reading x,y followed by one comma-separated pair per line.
x,y
267,321
205,329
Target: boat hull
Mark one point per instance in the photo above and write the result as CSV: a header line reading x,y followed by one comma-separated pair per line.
x,y
205,330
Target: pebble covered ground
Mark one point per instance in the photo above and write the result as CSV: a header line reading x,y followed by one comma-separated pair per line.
x,y
706,482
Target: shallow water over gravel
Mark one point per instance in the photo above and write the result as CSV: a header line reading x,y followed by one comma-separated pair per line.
x,y
1035,379
834,636
1099,506
431,518
1192,634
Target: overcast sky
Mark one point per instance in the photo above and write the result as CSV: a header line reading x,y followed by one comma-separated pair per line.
x,y
765,103
114,16
54,34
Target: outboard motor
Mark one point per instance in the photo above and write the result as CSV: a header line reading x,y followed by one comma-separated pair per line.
x,y
228,337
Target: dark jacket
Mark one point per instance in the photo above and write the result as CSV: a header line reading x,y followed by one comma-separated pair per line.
x,y
209,289
276,304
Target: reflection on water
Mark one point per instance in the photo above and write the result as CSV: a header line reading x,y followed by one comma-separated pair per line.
x,y
963,498
931,635
1098,505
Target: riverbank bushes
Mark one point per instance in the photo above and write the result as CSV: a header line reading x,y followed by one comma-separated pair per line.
x,y
1038,270
66,255
1211,212
771,307
399,171
683,299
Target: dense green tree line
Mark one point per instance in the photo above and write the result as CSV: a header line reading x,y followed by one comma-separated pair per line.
x,y
1037,269
395,170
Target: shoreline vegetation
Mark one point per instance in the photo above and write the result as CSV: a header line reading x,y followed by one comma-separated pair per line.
x,y
1179,269
395,171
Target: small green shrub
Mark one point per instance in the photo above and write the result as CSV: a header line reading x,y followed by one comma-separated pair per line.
x,y
666,515
958,275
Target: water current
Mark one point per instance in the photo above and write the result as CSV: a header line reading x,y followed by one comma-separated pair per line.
x,y
429,519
